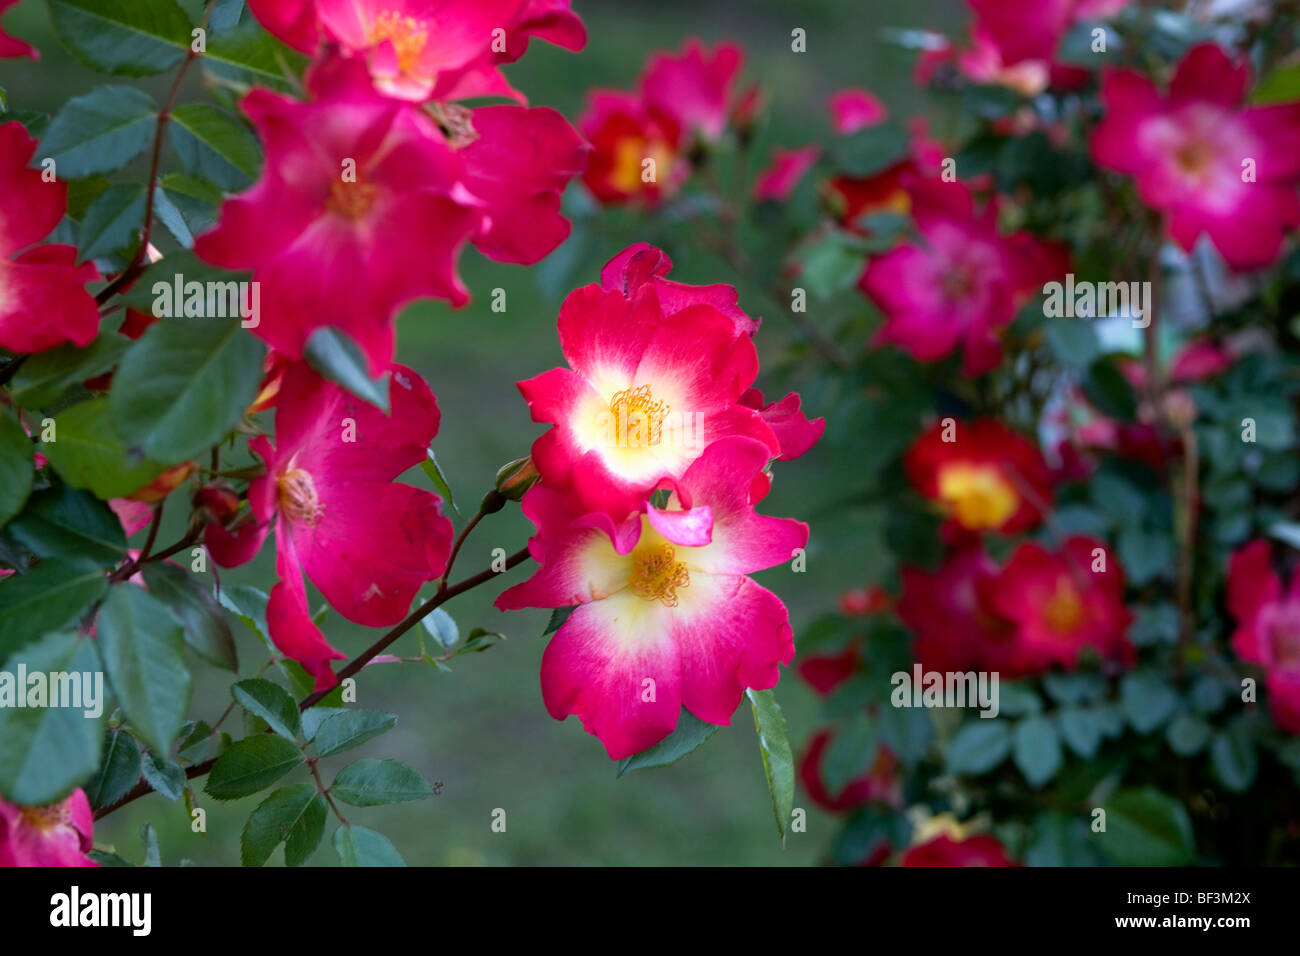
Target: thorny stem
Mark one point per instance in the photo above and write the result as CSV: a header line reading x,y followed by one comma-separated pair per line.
x,y
445,594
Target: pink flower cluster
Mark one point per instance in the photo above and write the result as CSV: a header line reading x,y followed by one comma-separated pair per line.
x,y
373,185
645,509
643,141
1268,627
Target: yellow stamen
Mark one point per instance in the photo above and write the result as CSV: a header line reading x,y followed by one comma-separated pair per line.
x,y
977,496
408,36
297,496
630,401
657,574
1064,610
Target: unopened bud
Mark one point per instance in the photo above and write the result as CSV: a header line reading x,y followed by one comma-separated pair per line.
x,y
218,502
515,478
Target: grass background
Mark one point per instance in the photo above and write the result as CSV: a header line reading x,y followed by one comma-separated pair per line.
x,y
482,731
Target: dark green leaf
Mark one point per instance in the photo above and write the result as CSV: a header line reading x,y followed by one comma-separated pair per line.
x,y
49,596
205,627
778,760
689,733
334,355
183,386
1148,701
250,765
272,703
100,132
558,617
88,453
141,644
46,376
295,814
119,770
357,846
132,37
1232,755
17,466
979,746
1147,828
46,751
1187,734
369,783
214,145
351,728
1082,729
113,221
1037,750
163,775
871,150
61,522
434,471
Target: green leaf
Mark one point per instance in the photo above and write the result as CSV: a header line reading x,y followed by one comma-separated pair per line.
x,y
1061,840
689,733
163,775
184,385
830,266
47,751
778,760
171,217
1072,342
195,200
99,132
1187,734
225,14
1082,729
134,38
313,717
250,765
1148,701
119,770
979,746
205,627
851,751
49,596
351,728
369,783
214,145
249,55
248,604
272,703
334,355
871,150
1108,389
46,376
107,858
1280,86
357,846
295,814
1147,828
1037,750
907,731
442,628
87,452
1232,755
141,644
434,471
113,221
17,466
61,522
558,617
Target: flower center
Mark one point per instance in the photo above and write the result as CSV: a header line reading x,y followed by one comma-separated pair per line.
x,y
408,36
297,494
629,157
977,496
352,199
45,818
657,574
637,407
1064,610
1195,157
958,283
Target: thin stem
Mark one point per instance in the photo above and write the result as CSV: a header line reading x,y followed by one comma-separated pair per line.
x,y
141,260
323,790
200,769
153,533
455,548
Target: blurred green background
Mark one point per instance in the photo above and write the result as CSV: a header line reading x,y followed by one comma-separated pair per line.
x,y
482,731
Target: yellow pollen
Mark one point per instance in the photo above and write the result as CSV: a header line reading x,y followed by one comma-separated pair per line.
x,y
1195,157
977,496
625,404
408,36
297,494
1064,610
352,199
45,818
657,574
